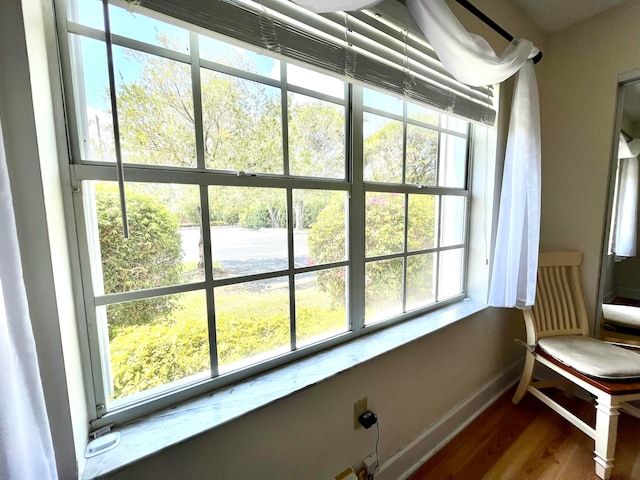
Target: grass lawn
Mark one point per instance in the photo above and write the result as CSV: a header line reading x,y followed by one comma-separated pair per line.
x,y
247,323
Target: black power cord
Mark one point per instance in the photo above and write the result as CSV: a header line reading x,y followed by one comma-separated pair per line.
x,y
375,469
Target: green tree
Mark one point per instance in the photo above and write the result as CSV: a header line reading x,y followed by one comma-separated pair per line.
x,y
150,257
383,154
316,148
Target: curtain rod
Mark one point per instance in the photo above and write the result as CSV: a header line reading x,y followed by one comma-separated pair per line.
x,y
492,24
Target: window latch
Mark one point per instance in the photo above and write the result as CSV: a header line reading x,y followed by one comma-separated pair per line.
x,y
100,432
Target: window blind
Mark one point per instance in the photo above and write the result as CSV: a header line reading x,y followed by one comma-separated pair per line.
x,y
362,46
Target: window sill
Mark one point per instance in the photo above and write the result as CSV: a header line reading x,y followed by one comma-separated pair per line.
x,y
153,433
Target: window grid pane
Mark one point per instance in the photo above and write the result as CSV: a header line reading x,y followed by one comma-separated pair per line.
x,y
405,140
277,158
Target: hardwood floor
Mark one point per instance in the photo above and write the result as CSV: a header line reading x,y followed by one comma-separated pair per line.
x,y
531,442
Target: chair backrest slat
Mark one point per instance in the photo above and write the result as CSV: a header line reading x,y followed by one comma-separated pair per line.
x,y
559,306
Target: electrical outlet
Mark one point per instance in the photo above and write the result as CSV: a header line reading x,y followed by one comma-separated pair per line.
x,y
359,407
371,462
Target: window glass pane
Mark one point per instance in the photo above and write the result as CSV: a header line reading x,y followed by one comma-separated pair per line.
x,y
422,113
421,281
450,276
163,247
321,224
384,223
92,99
453,161
454,123
157,342
232,56
423,219
382,149
249,230
321,311
155,109
312,80
422,152
383,289
242,124
453,220
86,13
145,29
252,322
382,101
316,137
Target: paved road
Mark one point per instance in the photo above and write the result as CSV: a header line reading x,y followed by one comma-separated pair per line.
x,y
244,251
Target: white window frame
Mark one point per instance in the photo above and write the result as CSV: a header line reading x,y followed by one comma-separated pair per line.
x,y
85,169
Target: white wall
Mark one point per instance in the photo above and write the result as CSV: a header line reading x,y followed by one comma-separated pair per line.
x,y
578,82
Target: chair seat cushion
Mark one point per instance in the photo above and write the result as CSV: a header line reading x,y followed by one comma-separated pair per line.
x,y
621,314
593,357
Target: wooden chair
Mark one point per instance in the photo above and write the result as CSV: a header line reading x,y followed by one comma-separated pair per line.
x,y
558,337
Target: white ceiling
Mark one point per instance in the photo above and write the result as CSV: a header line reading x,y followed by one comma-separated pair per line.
x,y
554,15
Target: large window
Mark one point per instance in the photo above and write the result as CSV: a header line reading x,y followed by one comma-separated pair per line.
x,y
274,210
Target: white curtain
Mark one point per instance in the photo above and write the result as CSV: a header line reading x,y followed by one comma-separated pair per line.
x,y
625,229
471,60
26,450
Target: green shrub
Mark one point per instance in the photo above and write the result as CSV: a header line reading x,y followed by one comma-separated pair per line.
x,y
154,355
255,216
150,257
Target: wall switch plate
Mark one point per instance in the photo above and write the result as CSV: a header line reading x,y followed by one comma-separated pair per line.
x,y
359,407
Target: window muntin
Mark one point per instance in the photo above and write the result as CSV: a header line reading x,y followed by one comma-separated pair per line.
x,y
300,180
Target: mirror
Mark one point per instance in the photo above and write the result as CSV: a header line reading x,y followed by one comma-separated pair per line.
x,y
620,278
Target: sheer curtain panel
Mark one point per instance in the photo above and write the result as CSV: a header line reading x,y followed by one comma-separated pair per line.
x,y
626,214
26,450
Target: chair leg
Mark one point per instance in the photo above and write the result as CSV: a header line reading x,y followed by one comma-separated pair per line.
x,y
606,432
525,380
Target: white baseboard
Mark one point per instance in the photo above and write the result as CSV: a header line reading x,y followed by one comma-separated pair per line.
x,y
411,456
